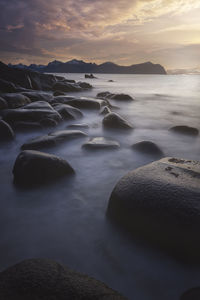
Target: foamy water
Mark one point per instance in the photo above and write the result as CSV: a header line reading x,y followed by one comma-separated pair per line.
x,y
66,220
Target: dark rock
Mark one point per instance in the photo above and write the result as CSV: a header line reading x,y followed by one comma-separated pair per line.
x,y
160,202
39,105
38,96
53,139
120,97
192,294
110,80
101,143
62,99
34,167
78,126
185,130
44,279
7,87
104,95
15,100
30,115
91,76
68,112
6,132
47,122
3,103
115,121
58,93
26,126
87,103
148,147
66,87
85,85
105,110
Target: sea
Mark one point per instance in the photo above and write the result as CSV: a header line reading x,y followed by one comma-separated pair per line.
x,y
66,221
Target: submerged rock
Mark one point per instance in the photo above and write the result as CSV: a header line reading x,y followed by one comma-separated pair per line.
x,y
148,147
85,85
34,167
101,143
53,139
90,76
78,126
120,97
15,100
105,110
86,103
44,279
115,121
26,126
68,112
160,202
6,132
185,130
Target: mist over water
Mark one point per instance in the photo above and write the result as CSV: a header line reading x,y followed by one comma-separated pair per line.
x,y
66,221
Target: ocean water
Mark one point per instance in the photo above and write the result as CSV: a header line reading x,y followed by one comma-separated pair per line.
x,y
66,221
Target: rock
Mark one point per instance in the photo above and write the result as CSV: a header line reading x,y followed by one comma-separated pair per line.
x,y
66,87
34,167
15,100
30,115
53,139
160,202
68,112
148,147
44,279
62,100
26,126
6,132
105,110
120,97
185,130
58,93
39,105
86,103
101,143
78,126
47,122
115,121
38,96
3,103
192,294
110,80
85,85
91,76
7,87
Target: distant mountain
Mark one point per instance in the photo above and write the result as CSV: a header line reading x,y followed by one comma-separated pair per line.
x,y
79,66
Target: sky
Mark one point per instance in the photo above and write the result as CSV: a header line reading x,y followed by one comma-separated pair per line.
x,y
122,31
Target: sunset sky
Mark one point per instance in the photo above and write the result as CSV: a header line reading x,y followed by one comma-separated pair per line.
x,y
121,31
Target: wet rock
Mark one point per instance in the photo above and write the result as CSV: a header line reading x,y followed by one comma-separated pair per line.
x,y
115,121
66,87
185,130
6,132
192,294
120,97
34,167
85,85
38,96
53,139
105,110
90,76
78,126
3,103
110,80
26,126
58,93
104,95
30,115
15,100
101,143
6,86
39,105
68,112
160,202
86,103
62,99
47,122
44,279
148,147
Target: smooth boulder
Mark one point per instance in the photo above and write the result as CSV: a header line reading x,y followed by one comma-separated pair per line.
x,y
68,112
86,103
34,167
3,103
39,105
160,202
101,143
44,279
185,130
7,87
38,96
66,87
105,110
148,147
53,139
115,121
117,97
78,126
6,132
16,100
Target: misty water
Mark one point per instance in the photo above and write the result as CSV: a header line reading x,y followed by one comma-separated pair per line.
x,y
66,221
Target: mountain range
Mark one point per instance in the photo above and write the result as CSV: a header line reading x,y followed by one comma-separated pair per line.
x,y
79,66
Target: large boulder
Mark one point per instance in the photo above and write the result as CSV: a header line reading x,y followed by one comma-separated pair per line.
x,y
38,96
84,85
117,97
185,130
148,147
160,202
7,87
39,105
53,139
6,132
67,111
34,167
44,279
66,87
15,100
78,126
105,110
115,121
27,126
192,294
86,103
3,103
101,143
